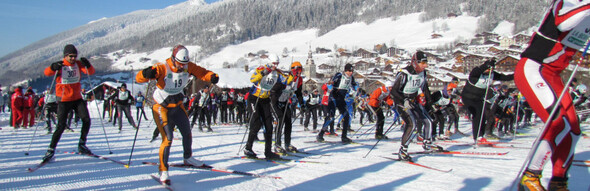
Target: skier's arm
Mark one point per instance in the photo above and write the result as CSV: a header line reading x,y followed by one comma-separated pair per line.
x,y
476,73
570,13
398,85
200,72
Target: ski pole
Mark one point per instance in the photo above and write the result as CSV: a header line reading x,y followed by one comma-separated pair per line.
x,y
378,140
134,139
535,146
42,110
98,109
516,117
248,126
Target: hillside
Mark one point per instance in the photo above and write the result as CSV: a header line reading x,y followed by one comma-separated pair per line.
x,y
230,22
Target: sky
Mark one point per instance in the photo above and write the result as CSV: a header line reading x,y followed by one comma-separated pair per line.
x,y
25,22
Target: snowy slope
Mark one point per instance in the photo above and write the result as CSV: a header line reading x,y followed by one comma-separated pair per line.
x,y
406,32
346,168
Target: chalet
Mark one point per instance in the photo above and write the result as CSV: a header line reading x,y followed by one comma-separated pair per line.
x,y
506,42
507,64
344,52
473,60
326,67
478,48
437,81
380,48
322,50
491,42
435,36
393,51
521,38
251,55
461,45
365,53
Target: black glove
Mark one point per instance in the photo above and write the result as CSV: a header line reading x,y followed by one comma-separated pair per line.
x,y
85,62
149,73
56,65
214,78
490,63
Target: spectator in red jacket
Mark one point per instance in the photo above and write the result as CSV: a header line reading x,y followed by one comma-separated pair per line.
x,y
17,107
29,108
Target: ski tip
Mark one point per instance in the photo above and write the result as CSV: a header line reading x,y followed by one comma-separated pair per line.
x,y
126,166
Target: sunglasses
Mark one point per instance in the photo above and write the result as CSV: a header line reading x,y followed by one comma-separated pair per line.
x,y
72,56
295,68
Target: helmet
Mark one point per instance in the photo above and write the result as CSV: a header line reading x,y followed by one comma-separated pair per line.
x,y
582,88
180,54
295,65
389,84
274,59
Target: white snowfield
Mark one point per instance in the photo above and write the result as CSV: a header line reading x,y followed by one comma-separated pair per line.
x,y
346,168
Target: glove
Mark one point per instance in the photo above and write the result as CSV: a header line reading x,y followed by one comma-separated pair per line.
x,y
408,104
214,78
85,62
149,73
56,65
490,63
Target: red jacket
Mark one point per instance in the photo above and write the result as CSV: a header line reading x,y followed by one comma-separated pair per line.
x,y
326,96
376,97
29,100
71,91
17,99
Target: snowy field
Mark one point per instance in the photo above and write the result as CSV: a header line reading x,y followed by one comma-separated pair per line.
x,y
346,169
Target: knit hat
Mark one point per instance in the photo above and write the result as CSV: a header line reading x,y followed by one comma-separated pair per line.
x,y
70,49
124,85
420,56
348,67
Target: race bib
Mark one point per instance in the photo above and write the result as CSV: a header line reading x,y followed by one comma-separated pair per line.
x,y
578,36
70,74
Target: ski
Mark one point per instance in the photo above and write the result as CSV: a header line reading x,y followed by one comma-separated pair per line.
x,y
95,156
168,186
281,160
582,161
446,152
337,142
36,167
308,153
419,165
584,165
213,169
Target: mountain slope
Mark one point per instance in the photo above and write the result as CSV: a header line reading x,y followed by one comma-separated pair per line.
x,y
214,26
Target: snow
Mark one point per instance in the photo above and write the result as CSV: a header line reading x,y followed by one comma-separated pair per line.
x,y
347,169
504,28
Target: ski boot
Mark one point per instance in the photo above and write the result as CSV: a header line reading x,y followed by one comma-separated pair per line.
x,y
153,139
346,140
292,149
305,129
209,129
49,155
200,128
320,137
403,154
164,178
559,184
379,137
192,161
427,145
82,149
530,181
249,153
271,155
279,149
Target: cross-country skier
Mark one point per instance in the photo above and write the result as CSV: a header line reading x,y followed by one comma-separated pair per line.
x,y
139,102
537,76
280,94
313,104
341,84
407,83
474,93
67,89
169,112
380,95
123,99
264,78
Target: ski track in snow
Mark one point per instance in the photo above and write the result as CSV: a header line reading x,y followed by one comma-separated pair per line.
x,y
347,169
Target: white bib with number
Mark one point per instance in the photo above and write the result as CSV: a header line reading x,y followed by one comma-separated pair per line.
x,y
174,83
482,83
70,74
414,82
268,81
